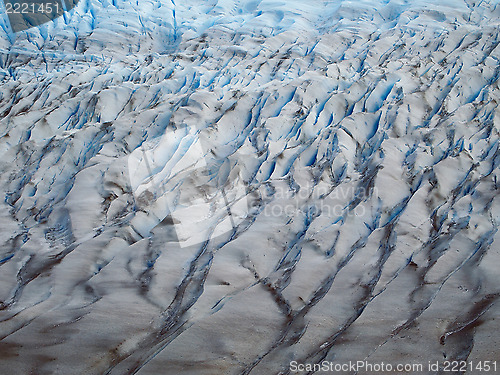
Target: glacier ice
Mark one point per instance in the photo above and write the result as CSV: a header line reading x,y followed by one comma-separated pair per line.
x,y
224,187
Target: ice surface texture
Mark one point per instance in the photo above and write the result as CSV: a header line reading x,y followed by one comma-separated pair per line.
x,y
366,134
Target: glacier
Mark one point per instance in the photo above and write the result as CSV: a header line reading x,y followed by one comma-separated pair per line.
x,y
229,187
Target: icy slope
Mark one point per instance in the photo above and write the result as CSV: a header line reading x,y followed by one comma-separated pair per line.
x,y
365,135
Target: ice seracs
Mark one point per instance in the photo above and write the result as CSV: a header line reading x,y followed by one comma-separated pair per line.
x,y
228,186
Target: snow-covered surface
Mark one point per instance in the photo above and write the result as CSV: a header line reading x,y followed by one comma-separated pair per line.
x,y
348,151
